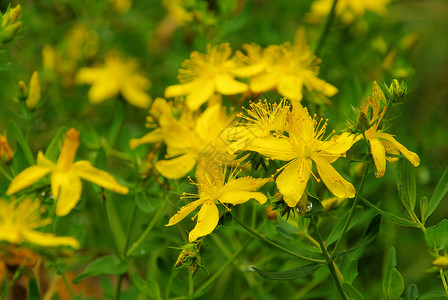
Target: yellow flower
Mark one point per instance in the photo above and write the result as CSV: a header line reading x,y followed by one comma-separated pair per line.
x,y
348,10
191,138
302,147
286,68
121,6
381,142
118,75
65,176
204,74
262,119
177,11
214,189
18,222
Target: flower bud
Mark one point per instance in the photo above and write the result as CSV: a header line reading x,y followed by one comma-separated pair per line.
x,y
34,91
441,262
5,150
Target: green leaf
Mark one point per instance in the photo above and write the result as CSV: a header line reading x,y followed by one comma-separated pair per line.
x,y
396,219
149,288
299,272
405,177
52,151
19,161
110,265
14,131
436,237
395,285
437,196
423,207
5,66
368,235
433,295
391,263
117,122
351,292
350,272
335,234
411,292
144,203
33,290
315,207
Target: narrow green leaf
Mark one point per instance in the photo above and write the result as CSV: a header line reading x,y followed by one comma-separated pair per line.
x,y
437,196
391,263
433,295
148,288
144,203
109,265
335,234
436,237
395,285
350,272
396,219
116,123
299,272
33,290
14,131
411,189
351,292
411,292
53,149
423,207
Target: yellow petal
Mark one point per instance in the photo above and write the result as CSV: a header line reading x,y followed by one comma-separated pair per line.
x,y
291,87
264,82
337,185
411,156
177,167
379,156
136,96
377,93
184,211
246,183
208,218
238,197
210,123
340,144
87,171
102,90
49,240
149,138
34,92
43,161
203,90
273,148
88,75
27,177
226,85
249,71
177,134
66,188
179,89
293,180
322,86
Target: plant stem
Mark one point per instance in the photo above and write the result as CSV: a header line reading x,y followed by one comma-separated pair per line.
x,y
118,291
15,277
148,229
67,285
267,241
130,225
7,176
328,259
326,29
445,287
353,209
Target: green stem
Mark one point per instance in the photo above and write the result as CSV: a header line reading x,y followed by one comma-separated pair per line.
x,y
118,291
445,286
15,277
353,209
5,173
148,229
267,241
328,259
326,29
67,285
114,242
130,225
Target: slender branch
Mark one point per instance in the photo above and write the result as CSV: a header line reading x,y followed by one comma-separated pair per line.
x,y
267,241
148,229
326,29
68,286
118,290
15,277
353,209
328,259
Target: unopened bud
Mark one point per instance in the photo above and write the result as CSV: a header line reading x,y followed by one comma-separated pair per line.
x,y
362,123
10,32
23,90
34,92
5,150
441,262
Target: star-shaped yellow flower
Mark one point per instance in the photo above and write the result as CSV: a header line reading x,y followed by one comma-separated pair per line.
x,y
192,137
18,222
287,68
118,75
65,176
302,147
381,142
213,189
204,74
